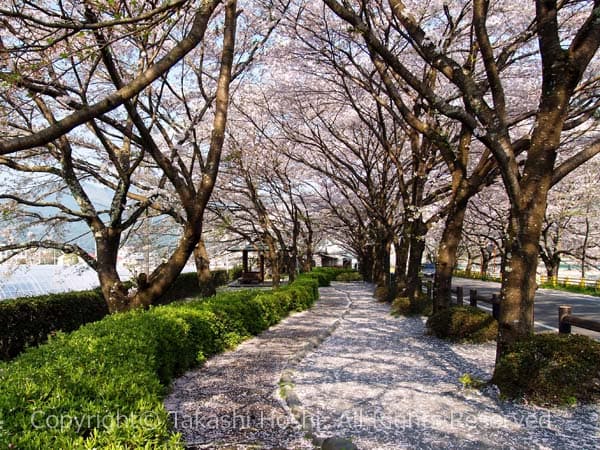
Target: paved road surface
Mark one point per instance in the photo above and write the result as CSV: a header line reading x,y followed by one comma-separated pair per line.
x,y
547,302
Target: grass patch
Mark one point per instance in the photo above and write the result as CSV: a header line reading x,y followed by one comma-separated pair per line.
x,y
470,382
475,276
463,324
572,288
550,369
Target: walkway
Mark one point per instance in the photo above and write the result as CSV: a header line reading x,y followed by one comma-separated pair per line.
x,y
377,380
233,401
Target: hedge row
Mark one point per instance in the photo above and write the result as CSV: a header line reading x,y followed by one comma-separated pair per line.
x,y
103,385
551,369
28,321
463,324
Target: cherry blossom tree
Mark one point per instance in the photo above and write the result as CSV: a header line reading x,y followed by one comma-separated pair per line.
x,y
555,44
571,221
171,128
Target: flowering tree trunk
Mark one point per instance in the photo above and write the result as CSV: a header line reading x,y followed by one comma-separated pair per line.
x,y
202,260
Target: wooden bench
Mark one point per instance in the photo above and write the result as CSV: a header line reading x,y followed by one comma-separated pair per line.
x,y
250,278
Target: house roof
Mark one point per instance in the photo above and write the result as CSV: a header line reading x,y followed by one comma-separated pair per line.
x,y
249,248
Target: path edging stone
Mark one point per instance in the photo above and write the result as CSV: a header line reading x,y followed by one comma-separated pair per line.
x,y
291,399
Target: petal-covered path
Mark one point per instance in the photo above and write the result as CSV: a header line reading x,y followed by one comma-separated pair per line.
x,y
233,401
376,380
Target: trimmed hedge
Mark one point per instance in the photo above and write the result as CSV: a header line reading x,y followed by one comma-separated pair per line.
x,y
102,386
463,324
551,369
349,276
420,306
476,276
186,285
324,275
28,321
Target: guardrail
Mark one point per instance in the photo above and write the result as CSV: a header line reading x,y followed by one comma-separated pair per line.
x,y
570,281
566,320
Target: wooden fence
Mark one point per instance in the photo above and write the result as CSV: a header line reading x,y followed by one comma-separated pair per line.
x,y
566,320
494,300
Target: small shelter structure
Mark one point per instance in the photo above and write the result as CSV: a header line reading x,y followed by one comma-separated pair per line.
x,y
250,274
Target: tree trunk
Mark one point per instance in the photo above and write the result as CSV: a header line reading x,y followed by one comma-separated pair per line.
x,y
552,270
366,263
293,264
469,266
205,281
273,260
519,278
165,275
113,290
381,265
417,247
485,262
552,264
446,257
307,264
584,247
402,247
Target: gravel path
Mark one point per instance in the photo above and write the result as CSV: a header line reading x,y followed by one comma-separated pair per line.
x,y
233,401
380,382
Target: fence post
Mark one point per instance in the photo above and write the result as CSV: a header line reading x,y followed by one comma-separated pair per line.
x,y
459,295
563,311
473,298
429,289
495,307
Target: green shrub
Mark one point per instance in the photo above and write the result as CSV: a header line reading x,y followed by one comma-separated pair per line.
x,y
475,276
551,369
106,381
349,276
235,272
186,285
28,321
324,275
382,294
219,277
403,306
463,324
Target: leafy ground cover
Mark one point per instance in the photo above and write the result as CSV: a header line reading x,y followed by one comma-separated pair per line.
x,y
102,386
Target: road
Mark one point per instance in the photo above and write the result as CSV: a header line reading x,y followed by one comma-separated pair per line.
x,y
547,302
